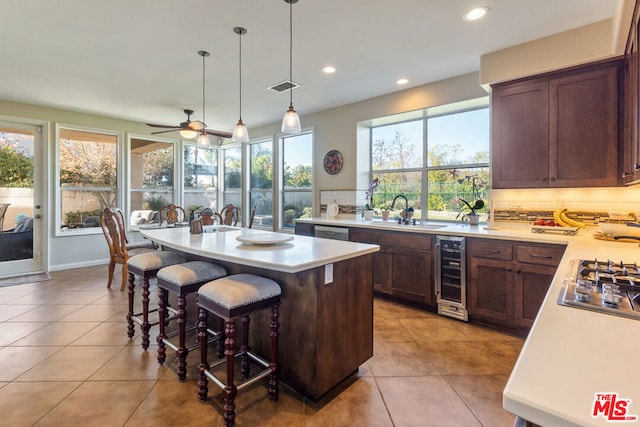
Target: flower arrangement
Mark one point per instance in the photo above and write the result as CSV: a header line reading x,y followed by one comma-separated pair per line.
x,y
372,188
479,204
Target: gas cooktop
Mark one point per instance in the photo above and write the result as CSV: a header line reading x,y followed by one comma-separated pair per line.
x,y
604,286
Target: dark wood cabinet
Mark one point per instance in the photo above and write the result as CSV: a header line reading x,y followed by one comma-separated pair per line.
x,y
404,266
507,281
559,129
304,229
631,151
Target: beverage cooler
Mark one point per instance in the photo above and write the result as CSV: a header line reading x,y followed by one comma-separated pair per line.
x,y
451,289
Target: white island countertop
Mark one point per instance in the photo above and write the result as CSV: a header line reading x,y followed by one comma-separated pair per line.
x,y
570,354
298,254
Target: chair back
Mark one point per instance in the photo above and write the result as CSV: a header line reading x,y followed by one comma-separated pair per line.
x,y
173,213
3,211
253,214
112,223
229,215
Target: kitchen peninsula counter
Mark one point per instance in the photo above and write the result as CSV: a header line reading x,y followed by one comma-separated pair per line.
x,y
326,311
570,354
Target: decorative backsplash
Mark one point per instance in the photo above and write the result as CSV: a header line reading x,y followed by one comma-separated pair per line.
x,y
587,217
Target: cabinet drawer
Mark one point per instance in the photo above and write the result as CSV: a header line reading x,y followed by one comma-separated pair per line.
x,y
543,255
493,249
392,238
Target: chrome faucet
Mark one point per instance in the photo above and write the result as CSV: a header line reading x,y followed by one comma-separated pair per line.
x,y
406,213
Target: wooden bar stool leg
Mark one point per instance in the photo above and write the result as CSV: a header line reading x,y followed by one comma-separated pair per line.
x,y
130,313
203,389
162,313
145,313
220,346
183,351
244,348
273,377
230,389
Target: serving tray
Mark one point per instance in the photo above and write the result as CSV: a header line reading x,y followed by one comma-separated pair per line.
x,y
569,231
264,239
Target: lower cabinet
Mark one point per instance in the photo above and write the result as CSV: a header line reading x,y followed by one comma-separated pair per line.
x,y
404,266
507,281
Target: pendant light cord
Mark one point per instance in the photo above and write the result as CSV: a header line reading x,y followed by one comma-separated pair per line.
x,y
204,54
291,52
240,72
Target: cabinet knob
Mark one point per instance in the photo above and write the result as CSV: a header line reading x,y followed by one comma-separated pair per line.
x,y
636,166
626,174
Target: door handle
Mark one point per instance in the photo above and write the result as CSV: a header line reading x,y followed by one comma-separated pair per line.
x,y
37,216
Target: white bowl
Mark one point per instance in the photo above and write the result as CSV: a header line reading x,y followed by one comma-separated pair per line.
x,y
618,229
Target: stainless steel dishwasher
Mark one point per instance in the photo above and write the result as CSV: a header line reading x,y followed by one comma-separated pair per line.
x,y
330,232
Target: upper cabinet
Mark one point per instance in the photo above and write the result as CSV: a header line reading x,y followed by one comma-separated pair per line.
x,y
631,151
560,129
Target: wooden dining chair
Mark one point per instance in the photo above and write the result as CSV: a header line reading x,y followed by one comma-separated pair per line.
x,y
229,215
253,214
112,223
172,213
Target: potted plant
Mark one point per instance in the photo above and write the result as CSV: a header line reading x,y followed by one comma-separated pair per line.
x,y
468,211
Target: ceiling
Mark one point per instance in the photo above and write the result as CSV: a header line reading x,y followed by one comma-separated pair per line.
x,y
138,60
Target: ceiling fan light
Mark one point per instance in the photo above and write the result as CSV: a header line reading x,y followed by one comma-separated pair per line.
x,y
240,132
203,139
188,133
291,121
197,125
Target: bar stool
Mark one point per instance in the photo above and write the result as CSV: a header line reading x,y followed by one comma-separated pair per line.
x,y
182,280
230,298
146,266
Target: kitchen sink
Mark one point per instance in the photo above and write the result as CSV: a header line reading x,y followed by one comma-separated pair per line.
x,y
417,225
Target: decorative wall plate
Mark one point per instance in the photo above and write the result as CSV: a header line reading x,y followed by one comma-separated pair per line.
x,y
333,162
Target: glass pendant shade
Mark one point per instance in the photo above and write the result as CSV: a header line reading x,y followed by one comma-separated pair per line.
x,y
203,140
291,121
188,133
240,133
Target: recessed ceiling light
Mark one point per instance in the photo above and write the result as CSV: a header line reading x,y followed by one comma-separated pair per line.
x,y
329,69
476,13
402,81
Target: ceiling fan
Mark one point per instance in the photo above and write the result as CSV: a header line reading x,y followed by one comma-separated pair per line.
x,y
189,129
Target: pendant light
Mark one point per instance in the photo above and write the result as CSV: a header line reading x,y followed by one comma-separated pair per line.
x,y
240,133
203,138
291,120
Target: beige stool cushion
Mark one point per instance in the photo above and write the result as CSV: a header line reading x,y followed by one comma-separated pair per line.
x,y
239,290
155,260
191,272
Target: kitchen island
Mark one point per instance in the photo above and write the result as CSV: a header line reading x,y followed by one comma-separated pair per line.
x,y
326,314
570,355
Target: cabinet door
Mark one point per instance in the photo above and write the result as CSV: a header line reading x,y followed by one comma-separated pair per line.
x,y
520,135
382,271
531,283
304,229
583,129
631,153
490,290
412,275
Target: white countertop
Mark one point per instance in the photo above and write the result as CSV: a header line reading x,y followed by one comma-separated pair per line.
x,y
570,354
299,254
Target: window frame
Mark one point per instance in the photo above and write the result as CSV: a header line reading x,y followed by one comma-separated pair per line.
x,y
424,170
280,190
121,177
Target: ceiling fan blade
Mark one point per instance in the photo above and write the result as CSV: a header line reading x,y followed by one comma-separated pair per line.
x,y
162,126
219,133
165,131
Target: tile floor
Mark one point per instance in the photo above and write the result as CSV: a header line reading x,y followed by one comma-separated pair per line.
x,y
65,359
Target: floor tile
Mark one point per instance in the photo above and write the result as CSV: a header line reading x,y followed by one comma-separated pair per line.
x,y
13,331
425,402
132,363
400,359
111,403
17,360
71,364
9,311
106,333
57,333
46,313
23,404
97,312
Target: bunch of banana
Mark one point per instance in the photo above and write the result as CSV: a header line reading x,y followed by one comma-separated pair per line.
x,y
560,217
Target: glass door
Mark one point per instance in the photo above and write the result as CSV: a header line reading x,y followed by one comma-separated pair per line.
x,y
20,205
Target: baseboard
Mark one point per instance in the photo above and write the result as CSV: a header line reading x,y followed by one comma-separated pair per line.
x,y
72,265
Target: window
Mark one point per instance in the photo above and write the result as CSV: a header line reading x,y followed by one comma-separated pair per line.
x,y
151,177
297,195
200,166
261,182
232,191
87,176
441,159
